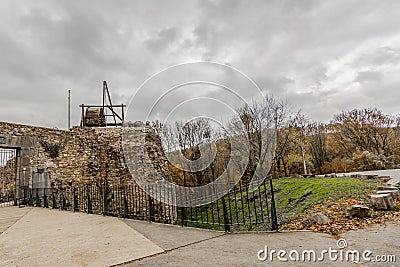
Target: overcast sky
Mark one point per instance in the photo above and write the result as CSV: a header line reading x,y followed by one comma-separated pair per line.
x,y
322,56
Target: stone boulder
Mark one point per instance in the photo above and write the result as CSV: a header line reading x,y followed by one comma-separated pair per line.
x,y
359,211
382,201
394,193
317,218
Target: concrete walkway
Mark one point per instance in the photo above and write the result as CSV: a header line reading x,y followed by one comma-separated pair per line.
x,y
10,215
241,249
45,237
222,249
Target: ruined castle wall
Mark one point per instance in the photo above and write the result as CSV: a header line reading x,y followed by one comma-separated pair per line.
x,y
79,156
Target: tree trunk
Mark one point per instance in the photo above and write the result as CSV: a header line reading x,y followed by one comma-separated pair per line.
x,y
304,160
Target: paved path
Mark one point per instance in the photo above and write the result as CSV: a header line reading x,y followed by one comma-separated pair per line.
x,y
382,239
394,173
197,247
9,216
45,237
237,249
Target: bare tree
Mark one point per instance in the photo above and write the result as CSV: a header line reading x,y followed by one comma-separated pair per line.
x,y
300,125
255,120
366,130
317,136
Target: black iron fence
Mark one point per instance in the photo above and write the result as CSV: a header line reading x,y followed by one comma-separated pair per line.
x,y
240,209
7,200
8,170
128,201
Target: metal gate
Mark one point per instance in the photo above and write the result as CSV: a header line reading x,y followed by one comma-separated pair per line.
x,y
8,176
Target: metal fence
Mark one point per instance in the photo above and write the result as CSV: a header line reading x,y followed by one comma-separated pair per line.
x,y
8,169
7,200
240,208
128,201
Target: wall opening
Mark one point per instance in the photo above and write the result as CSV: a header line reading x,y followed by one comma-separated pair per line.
x,y
8,176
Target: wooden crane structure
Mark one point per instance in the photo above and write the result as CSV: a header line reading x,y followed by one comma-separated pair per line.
x,y
103,115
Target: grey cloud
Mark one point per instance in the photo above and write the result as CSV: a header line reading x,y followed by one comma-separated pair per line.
x,y
299,51
273,85
162,39
15,60
379,56
368,76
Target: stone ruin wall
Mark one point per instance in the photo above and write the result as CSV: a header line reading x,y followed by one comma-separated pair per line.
x,y
80,156
84,156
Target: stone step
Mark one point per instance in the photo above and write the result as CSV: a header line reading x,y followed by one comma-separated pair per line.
x,y
394,193
387,187
384,179
394,182
382,201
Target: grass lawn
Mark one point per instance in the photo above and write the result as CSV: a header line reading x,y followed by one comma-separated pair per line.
x,y
295,196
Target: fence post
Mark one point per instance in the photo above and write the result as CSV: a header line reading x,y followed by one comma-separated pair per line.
x,y
227,224
105,204
125,206
151,208
183,216
89,202
64,202
76,208
24,201
37,198
54,201
31,197
183,211
45,202
273,209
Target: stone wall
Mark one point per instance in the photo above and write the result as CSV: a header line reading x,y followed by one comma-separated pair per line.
x,y
79,156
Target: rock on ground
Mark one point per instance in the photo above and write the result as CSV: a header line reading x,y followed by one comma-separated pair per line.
x,y
359,211
317,218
